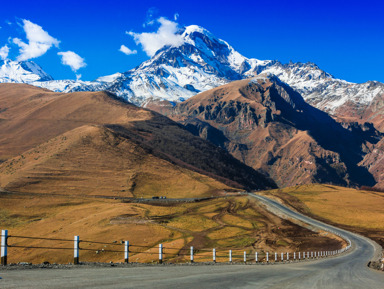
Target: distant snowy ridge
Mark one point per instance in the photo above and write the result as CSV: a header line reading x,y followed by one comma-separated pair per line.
x,y
321,89
201,63
21,72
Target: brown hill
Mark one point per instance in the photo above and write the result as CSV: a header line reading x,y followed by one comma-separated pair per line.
x,y
92,143
268,125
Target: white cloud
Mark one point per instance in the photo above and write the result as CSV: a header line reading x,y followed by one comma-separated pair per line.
x,y
176,16
4,52
126,50
8,22
165,35
74,61
39,41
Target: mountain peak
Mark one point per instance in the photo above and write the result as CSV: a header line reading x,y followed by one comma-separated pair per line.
x,y
195,28
22,72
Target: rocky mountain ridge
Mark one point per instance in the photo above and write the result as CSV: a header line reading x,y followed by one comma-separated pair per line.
x,y
203,62
268,125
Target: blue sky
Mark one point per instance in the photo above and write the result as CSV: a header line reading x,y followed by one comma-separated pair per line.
x,y
345,38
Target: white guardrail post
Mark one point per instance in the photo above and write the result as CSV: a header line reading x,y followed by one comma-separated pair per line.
x,y
245,257
214,255
230,256
267,257
4,249
76,250
275,256
126,251
256,257
192,254
160,253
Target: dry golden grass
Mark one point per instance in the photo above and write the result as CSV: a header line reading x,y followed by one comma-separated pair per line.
x,y
110,221
237,221
359,210
226,232
193,223
84,161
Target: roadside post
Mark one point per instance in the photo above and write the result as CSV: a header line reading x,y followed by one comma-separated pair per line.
x,y
76,250
214,255
191,254
126,251
161,253
4,251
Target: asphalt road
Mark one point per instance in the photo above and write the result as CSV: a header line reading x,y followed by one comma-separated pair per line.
x,y
348,270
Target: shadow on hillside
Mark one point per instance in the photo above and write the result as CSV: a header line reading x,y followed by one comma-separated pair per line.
x,y
328,133
168,140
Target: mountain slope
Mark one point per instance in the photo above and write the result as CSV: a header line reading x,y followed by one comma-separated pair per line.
x,y
105,136
95,160
269,126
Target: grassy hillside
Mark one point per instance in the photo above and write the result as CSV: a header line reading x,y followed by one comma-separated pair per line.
x,y
225,223
93,160
356,210
92,143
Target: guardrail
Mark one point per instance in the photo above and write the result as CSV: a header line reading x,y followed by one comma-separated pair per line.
x,y
129,250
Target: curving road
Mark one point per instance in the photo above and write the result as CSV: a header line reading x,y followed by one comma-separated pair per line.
x,y
348,270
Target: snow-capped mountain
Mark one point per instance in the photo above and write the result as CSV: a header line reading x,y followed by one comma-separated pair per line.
x,y
322,90
201,63
22,72
31,73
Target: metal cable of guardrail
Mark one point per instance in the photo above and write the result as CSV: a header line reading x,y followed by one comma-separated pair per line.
x,y
39,238
169,253
38,247
101,243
